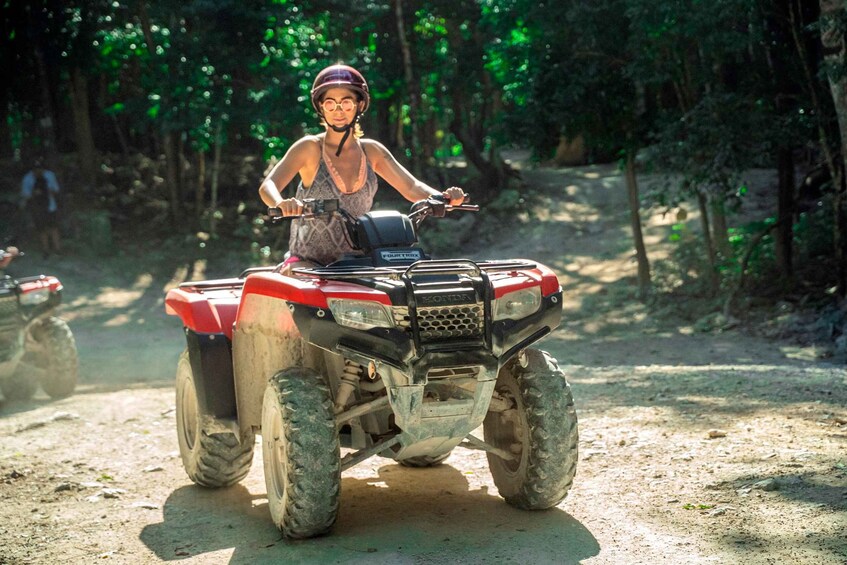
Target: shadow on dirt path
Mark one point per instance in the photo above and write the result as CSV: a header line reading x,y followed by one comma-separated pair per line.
x,y
400,516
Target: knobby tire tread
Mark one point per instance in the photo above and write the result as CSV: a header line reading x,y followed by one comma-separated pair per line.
x,y
553,436
313,481
62,373
217,459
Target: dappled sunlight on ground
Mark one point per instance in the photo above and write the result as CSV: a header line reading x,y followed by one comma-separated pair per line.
x,y
196,272
680,432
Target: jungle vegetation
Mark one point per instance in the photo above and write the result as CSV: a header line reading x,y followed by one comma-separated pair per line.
x,y
702,90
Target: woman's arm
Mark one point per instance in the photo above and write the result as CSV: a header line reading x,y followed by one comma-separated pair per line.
x,y
7,256
385,165
302,158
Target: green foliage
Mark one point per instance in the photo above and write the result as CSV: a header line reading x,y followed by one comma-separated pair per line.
x,y
685,270
813,233
701,91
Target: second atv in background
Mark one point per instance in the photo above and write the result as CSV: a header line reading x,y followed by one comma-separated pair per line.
x,y
36,346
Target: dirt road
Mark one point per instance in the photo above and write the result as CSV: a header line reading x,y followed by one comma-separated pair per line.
x,y
694,448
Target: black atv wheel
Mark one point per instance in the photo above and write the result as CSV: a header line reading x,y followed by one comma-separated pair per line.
x,y
18,386
540,430
212,455
424,460
55,354
301,453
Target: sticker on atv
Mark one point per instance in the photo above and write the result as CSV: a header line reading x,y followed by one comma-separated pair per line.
x,y
401,256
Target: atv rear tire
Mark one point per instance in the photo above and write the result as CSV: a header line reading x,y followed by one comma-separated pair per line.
x,y
301,453
212,455
56,356
540,430
424,460
19,386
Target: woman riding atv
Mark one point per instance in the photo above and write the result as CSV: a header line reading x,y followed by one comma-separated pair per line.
x,y
340,96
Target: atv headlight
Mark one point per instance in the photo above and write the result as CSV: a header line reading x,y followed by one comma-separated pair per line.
x,y
35,297
518,304
360,314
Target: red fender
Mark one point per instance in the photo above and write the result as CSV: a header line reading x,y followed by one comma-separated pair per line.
x,y
211,312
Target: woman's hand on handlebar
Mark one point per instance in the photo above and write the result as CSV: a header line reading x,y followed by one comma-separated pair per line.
x,y
290,207
455,195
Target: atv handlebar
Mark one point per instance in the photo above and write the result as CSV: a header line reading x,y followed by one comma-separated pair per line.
x,y
436,205
357,230
312,207
433,206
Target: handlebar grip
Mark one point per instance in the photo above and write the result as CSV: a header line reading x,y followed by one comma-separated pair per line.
x,y
274,212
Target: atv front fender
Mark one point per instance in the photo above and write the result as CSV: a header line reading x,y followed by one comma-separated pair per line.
x,y
265,341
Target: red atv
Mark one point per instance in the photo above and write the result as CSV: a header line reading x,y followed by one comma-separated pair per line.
x,y
386,352
35,346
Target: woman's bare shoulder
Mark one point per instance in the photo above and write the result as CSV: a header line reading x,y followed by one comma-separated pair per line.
x,y
374,149
369,143
308,145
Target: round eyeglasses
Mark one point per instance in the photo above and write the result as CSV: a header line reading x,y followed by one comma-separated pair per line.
x,y
330,105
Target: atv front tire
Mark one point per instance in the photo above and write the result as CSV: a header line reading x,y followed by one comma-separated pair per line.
x,y
56,355
540,430
301,453
212,455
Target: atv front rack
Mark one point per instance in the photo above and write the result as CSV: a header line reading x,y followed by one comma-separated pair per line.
x,y
435,267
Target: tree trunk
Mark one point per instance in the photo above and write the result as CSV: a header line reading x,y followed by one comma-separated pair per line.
x,y
46,120
835,53
145,26
171,147
707,239
399,136
720,230
216,167
411,87
172,175
5,133
200,186
785,213
82,125
120,135
492,176
635,222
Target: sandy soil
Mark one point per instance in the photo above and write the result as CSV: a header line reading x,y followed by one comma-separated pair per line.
x,y
694,448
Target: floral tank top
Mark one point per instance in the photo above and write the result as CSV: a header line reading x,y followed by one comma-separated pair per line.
x,y
324,240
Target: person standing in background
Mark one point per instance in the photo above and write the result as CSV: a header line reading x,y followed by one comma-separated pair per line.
x,y
40,197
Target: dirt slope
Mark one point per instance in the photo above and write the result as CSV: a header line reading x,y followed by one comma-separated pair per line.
x,y
695,448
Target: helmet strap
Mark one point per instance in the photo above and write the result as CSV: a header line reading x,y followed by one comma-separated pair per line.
x,y
346,129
